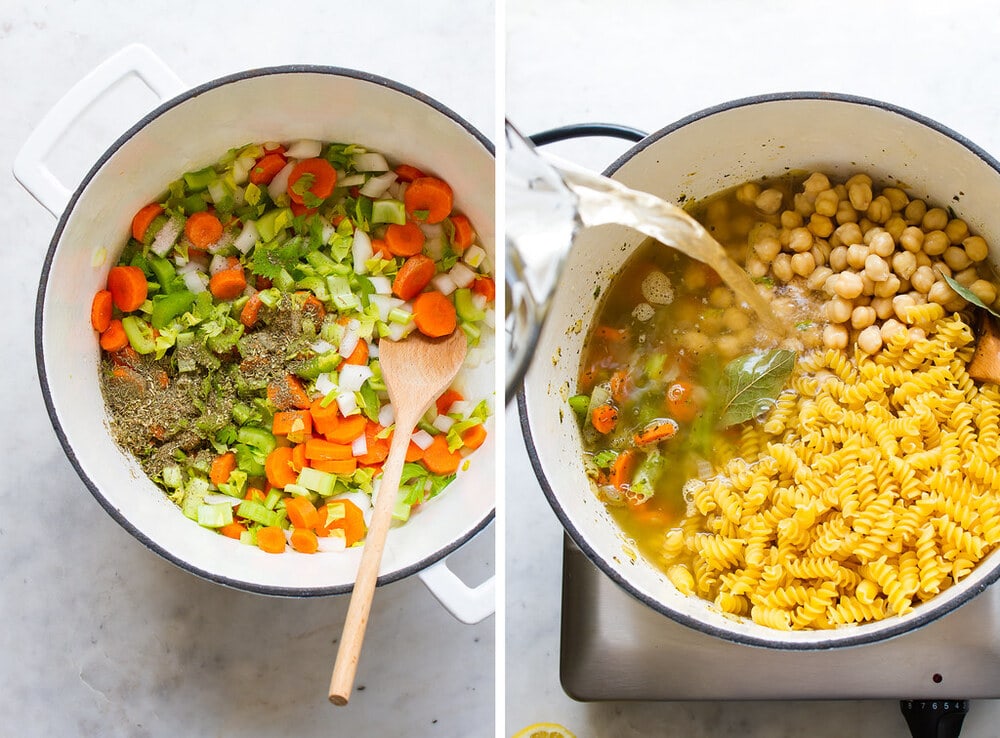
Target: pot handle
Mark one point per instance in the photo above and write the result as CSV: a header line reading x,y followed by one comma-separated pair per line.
x,y
467,604
29,164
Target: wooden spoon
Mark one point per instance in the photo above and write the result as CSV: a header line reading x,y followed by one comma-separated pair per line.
x,y
985,363
416,370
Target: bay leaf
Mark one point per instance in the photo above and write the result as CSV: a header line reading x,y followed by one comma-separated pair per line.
x,y
752,383
969,295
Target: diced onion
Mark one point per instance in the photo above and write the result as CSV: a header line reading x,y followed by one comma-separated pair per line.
x,y
422,438
361,250
443,423
362,500
348,343
304,149
491,318
166,237
474,256
241,169
376,186
384,304
350,180
321,346
347,403
359,446
352,376
399,331
218,264
196,282
325,384
217,190
461,275
386,415
331,544
432,230
221,499
479,301
396,190
247,238
459,407
370,162
443,283
224,242
434,247
381,284
279,185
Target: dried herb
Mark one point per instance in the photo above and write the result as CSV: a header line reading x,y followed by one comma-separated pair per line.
x,y
752,383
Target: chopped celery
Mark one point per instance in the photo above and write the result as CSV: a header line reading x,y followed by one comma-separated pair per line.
x,y
471,330
579,404
298,490
194,494
273,221
272,499
322,263
341,294
284,281
388,211
163,271
168,307
258,438
215,516
318,481
200,179
247,460
466,307
194,204
236,485
398,315
258,513
140,334
172,476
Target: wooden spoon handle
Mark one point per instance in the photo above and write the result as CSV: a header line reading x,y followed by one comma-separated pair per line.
x,y
342,680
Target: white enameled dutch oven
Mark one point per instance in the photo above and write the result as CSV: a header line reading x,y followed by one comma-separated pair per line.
x,y
691,159
188,131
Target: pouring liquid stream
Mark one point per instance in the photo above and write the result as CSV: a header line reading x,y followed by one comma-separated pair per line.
x,y
602,201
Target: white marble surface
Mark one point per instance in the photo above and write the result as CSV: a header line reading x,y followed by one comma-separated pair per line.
x,y
100,637
647,63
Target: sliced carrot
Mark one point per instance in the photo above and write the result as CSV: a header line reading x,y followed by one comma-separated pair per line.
x,y
341,467
278,467
404,240
414,452
312,308
271,539
286,393
620,385
322,179
474,437
604,418
381,249
486,287
144,218
251,311
266,168
655,432
304,541
301,512
623,468
299,460
464,235
428,199
254,494
438,459
324,417
233,530
434,314
222,466
407,173
318,449
128,287
203,228
680,401
446,399
610,334
290,423
298,209
101,309
228,284
359,355
415,274
340,429
113,338
377,449
353,522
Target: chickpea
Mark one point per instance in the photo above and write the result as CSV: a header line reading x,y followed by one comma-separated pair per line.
x,y
941,293
888,287
935,243
803,205
912,238
767,248
835,336
896,197
818,278
784,237
904,263
941,269
781,267
846,212
694,278
882,307
862,317
967,276
956,305
957,230
895,226
790,219
923,279
923,259
902,303
720,297
848,234
695,341
870,340
838,258
820,251
976,248
827,202
890,328
748,193
838,310
856,255
915,211
769,201
879,210
876,268
830,285
866,225
820,225
956,258
816,183
711,322
934,219
985,291
729,346
803,264
841,190
860,194
916,334
883,244
867,285
756,268
800,239
736,318
849,285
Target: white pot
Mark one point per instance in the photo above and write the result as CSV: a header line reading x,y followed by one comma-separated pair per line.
x,y
189,131
698,156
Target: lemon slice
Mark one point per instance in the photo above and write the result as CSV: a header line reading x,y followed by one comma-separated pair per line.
x,y
544,730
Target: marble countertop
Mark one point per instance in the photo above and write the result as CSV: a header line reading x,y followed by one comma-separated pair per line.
x,y
648,63
101,637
